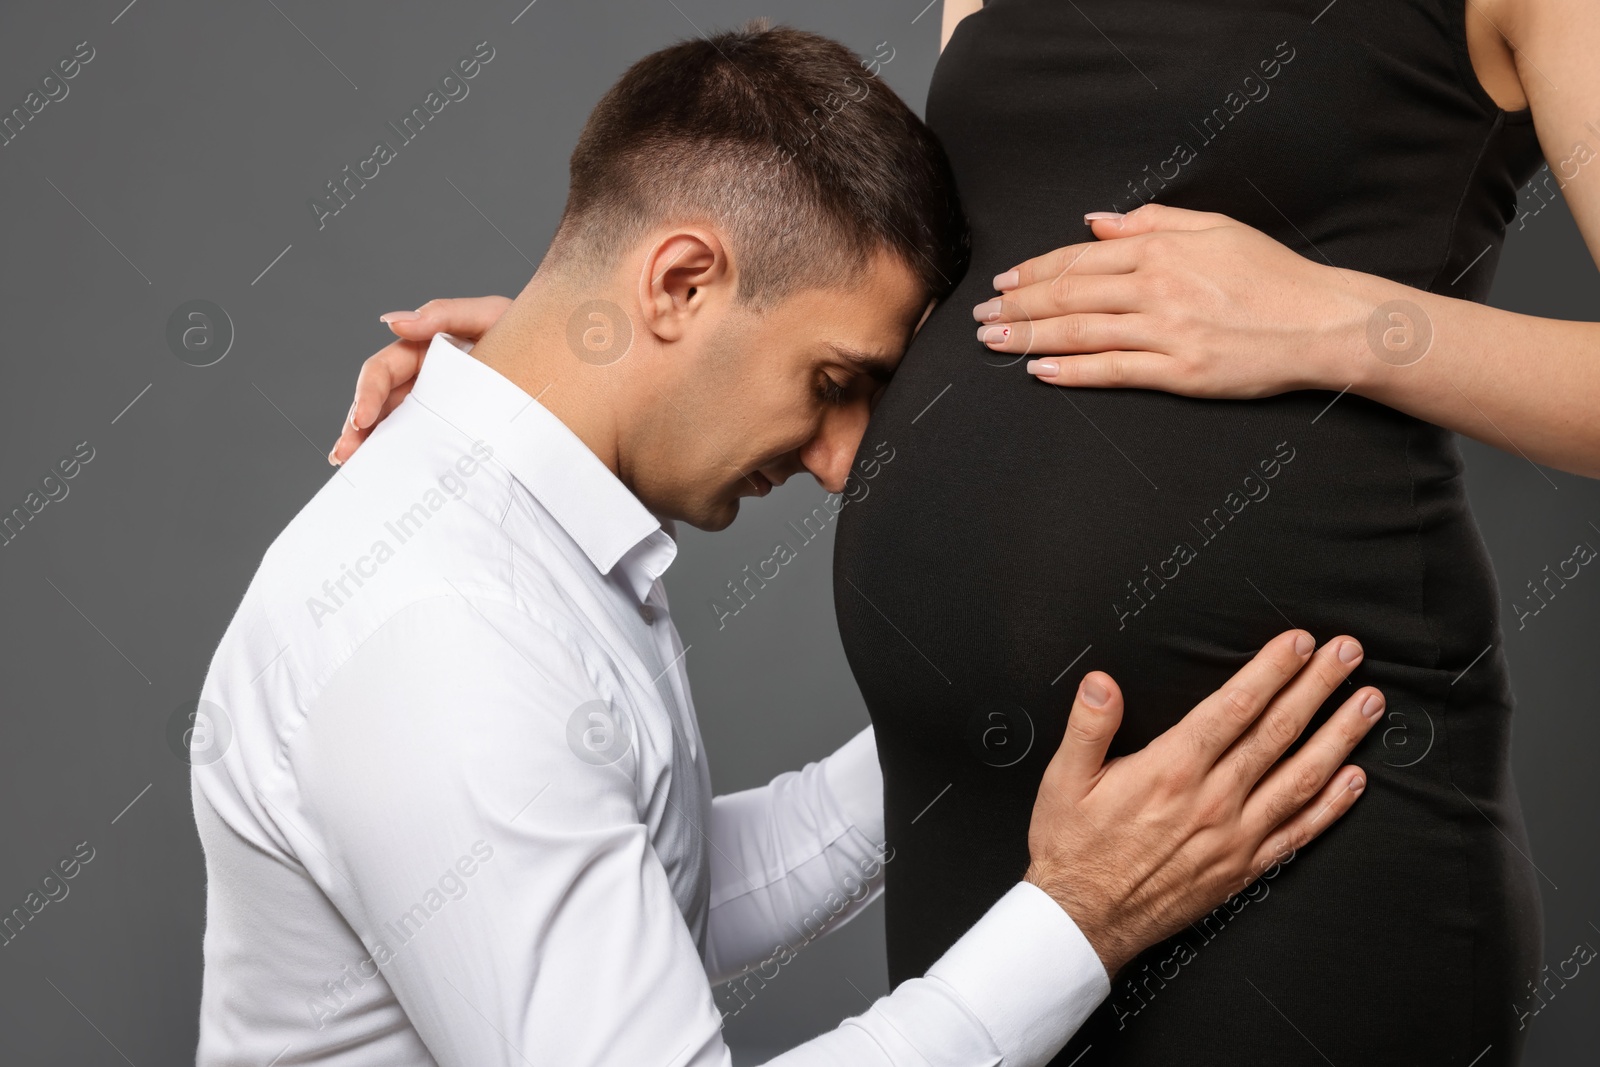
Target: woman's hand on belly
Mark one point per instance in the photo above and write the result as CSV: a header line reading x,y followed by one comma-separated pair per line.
x,y
1201,305
1138,846
1186,302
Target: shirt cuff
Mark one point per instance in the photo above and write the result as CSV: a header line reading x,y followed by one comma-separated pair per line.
x,y
1028,973
856,782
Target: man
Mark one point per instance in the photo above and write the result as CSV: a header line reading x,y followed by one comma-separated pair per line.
x,y
465,817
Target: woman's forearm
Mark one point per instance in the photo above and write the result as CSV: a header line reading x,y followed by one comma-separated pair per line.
x,y
1528,385
954,11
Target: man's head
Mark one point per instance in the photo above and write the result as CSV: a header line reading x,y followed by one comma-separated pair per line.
x,y
773,223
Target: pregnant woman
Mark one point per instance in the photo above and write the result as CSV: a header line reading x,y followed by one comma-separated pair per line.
x,y
1161,537
1292,364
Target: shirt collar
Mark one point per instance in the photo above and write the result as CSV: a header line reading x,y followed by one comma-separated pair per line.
x,y
590,503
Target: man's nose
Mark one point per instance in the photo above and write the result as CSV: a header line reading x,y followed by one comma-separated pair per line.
x,y
830,453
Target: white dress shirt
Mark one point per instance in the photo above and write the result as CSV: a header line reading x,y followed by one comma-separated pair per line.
x,y
455,805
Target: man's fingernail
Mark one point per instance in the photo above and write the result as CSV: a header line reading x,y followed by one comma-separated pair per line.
x,y
1008,280
1046,367
399,316
1349,652
1304,644
987,311
993,335
1373,706
1094,694
1357,784
333,461
1096,216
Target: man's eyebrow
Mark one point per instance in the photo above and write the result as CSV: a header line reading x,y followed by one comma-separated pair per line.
x,y
877,366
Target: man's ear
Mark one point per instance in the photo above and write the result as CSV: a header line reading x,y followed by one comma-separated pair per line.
x,y
678,274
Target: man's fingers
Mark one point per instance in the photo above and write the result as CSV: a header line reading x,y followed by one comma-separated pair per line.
x,y
1092,723
1287,714
1325,809
1292,783
1218,720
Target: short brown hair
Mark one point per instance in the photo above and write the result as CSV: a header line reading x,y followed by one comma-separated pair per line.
x,y
781,138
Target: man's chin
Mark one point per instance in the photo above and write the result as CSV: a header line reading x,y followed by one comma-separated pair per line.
x,y
716,517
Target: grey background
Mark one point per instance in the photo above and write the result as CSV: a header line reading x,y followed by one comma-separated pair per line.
x,y
178,167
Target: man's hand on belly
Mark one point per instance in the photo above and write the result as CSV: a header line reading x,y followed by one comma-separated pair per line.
x,y
1136,847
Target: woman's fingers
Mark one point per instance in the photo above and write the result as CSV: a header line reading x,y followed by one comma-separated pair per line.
x,y
1069,335
1065,294
466,317
1112,252
1287,715
1092,257
352,437
1149,218
384,372
381,375
1092,723
1109,370
387,376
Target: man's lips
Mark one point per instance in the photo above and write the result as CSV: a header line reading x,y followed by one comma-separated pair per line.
x,y
763,485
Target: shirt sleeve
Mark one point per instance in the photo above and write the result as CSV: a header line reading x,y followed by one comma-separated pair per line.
x,y
795,859
434,772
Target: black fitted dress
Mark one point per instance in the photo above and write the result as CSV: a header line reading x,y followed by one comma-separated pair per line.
x,y
1026,534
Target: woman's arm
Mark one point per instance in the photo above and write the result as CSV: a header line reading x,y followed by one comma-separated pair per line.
x,y
954,12
1526,384
1198,304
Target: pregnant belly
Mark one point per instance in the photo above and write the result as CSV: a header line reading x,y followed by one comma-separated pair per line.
x,y
1024,535
1024,531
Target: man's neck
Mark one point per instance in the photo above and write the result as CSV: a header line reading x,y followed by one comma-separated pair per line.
x,y
529,347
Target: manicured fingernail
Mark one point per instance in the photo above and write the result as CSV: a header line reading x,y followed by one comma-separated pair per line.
x,y
1304,644
1349,652
1094,694
987,311
333,461
1045,367
993,335
1008,280
399,316
350,419
1373,706
1096,216
1357,784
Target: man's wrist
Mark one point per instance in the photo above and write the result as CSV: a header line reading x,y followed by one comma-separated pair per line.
x,y
1113,951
